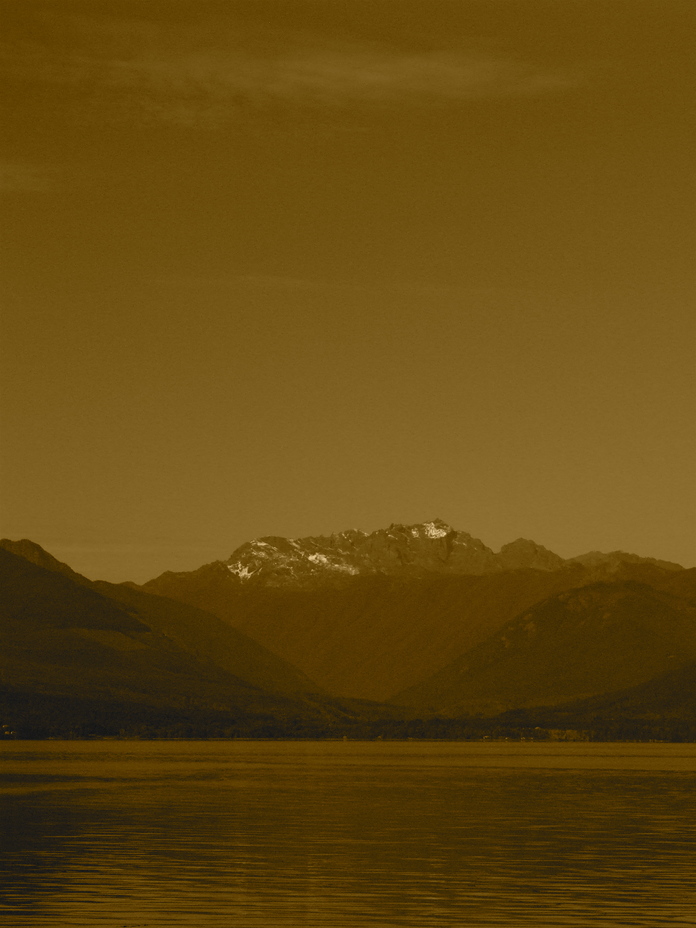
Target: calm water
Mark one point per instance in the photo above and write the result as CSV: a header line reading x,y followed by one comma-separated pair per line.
x,y
340,835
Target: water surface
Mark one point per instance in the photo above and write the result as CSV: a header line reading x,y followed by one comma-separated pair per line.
x,y
235,834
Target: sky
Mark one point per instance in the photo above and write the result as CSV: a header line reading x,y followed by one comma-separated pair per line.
x,y
288,267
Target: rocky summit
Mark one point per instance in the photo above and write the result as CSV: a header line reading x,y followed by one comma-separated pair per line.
x,y
400,550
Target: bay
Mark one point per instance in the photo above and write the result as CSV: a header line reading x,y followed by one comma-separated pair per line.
x,y
254,834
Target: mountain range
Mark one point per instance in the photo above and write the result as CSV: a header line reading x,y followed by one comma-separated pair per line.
x,y
352,632
368,616
398,551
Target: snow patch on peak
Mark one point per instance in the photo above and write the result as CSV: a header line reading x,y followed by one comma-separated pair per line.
x,y
332,564
346,568
435,529
243,571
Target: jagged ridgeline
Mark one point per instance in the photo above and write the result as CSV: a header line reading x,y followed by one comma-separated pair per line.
x,y
399,551
411,631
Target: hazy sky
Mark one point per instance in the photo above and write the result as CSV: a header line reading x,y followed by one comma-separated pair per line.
x,y
294,267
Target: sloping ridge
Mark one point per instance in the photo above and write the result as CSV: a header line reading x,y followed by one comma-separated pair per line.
x,y
101,638
669,695
597,639
208,637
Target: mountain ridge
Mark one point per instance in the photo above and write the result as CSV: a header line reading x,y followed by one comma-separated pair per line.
x,y
401,550
41,603
542,643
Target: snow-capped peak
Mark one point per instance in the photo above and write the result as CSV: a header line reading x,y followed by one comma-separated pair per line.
x,y
400,550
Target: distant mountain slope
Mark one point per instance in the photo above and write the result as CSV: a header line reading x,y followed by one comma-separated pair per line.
x,y
662,708
682,583
58,636
616,559
30,551
210,638
669,695
584,642
200,634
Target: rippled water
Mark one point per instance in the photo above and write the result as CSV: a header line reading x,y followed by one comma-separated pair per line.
x,y
345,834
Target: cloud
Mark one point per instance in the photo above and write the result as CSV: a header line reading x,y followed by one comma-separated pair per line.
x,y
332,76
181,74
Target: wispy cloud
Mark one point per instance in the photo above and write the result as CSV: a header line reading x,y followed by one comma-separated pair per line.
x,y
179,75
333,77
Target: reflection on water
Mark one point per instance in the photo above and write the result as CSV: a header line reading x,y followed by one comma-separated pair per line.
x,y
347,835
